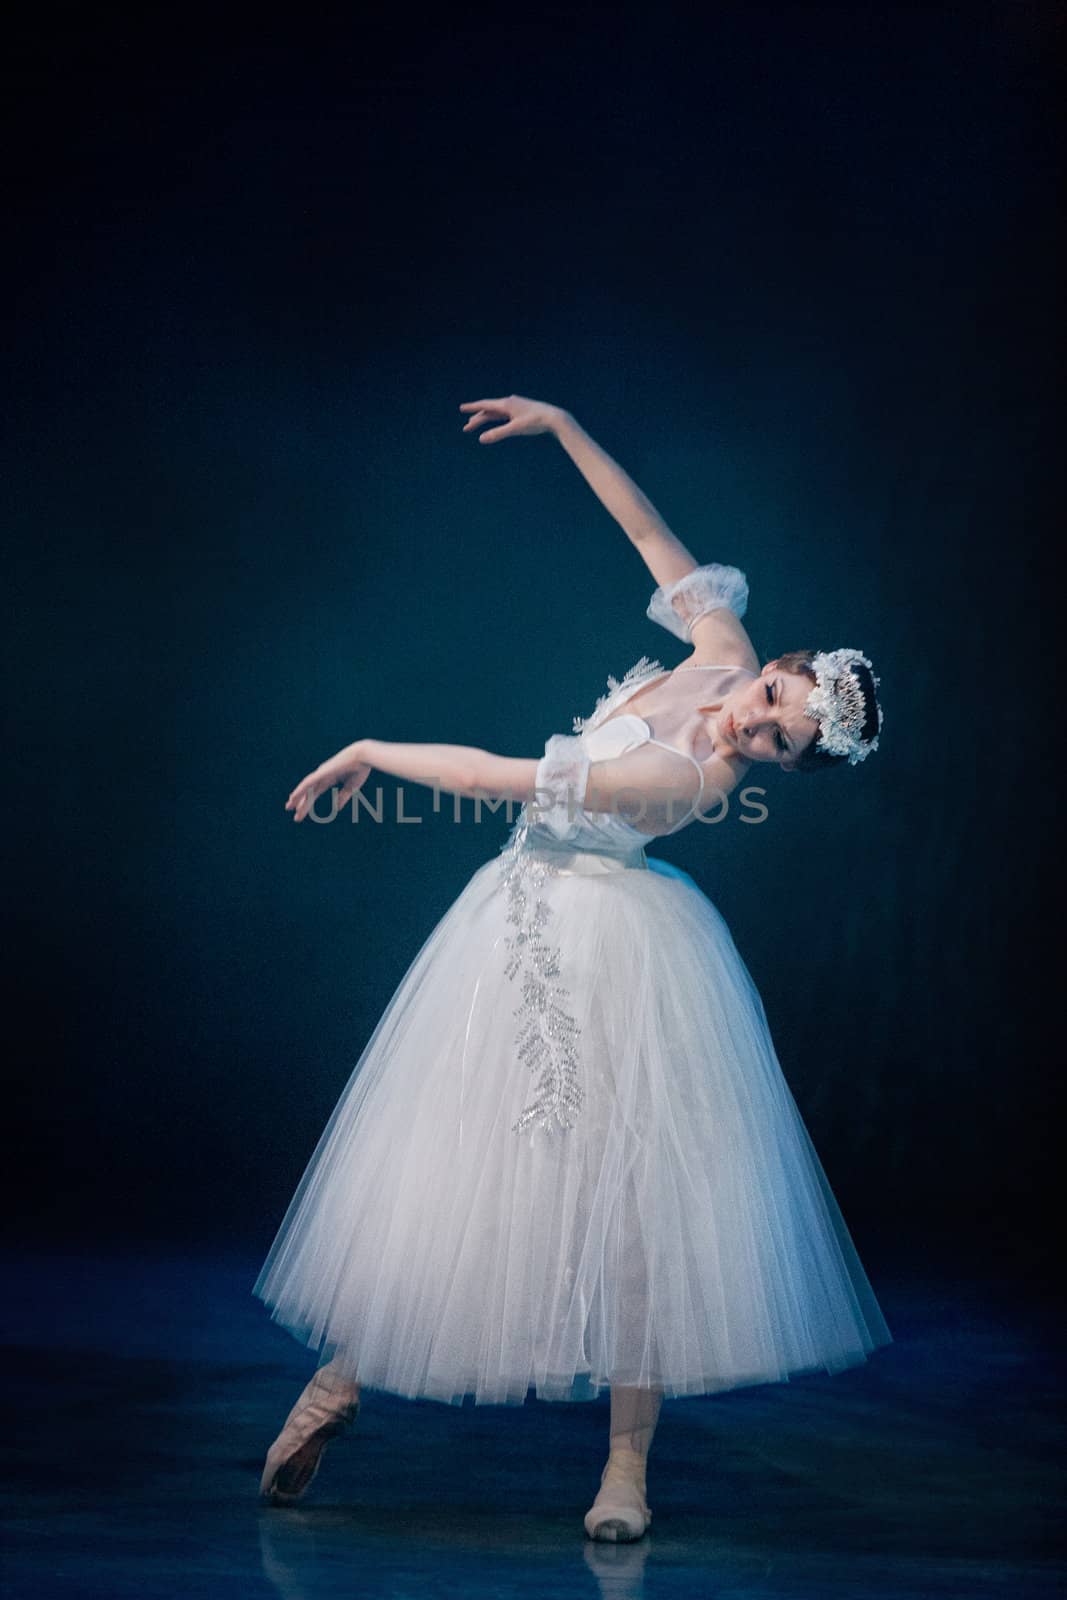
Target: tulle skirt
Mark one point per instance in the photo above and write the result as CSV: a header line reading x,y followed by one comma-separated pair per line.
x,y
567,1157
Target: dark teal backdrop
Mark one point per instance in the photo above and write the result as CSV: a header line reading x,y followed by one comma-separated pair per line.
x,y
794,268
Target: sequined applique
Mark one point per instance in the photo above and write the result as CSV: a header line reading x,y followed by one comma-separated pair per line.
x,y
630,679
547,1040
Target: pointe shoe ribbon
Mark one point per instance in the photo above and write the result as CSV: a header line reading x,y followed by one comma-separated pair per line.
x,y
327,1407
620,1511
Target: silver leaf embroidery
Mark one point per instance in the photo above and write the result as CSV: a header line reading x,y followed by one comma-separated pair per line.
x,y
547,1040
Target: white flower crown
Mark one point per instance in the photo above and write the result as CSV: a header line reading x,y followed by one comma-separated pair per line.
x,y
837,704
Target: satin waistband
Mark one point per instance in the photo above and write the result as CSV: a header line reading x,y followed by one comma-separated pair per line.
x,y
587,863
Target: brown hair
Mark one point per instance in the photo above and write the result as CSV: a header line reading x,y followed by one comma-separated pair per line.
x,y
813,760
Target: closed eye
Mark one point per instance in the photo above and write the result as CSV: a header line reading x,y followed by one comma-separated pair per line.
x,y
778,739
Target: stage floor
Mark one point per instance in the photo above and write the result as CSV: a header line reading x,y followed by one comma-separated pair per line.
x,y
142,1392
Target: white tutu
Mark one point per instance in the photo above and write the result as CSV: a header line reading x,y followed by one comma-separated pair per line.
x,y
453,1235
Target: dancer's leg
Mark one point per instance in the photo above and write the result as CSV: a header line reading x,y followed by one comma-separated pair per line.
x,y
620,1511
634,1415
327,1407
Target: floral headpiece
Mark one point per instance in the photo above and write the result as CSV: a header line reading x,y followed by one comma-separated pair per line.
x,y
837,704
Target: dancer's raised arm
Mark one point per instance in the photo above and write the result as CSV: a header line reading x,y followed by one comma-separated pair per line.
x,y
716,635
663,553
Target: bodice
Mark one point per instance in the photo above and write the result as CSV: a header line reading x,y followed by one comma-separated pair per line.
x,y
660,752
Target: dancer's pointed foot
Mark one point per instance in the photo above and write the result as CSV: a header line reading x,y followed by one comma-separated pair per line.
x,y
326,1408
620,1513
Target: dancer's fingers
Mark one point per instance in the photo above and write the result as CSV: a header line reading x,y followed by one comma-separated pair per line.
x,y
484,405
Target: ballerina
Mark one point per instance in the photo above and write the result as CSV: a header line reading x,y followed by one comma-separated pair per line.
x,y
567,1158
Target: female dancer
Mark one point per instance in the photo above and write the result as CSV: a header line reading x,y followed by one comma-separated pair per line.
x,y
567,1158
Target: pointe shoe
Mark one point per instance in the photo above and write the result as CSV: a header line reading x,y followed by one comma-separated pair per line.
x,y
327,1407
620,1512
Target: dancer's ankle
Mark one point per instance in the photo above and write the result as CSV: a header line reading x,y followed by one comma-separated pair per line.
x,y
340,1382
628,1465
627,1456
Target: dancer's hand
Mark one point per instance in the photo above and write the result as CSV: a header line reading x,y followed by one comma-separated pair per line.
x,y
344,769
514,414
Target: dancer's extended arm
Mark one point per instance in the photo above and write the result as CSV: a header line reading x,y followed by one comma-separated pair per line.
x,y
473,773
663,553
717,636
457,769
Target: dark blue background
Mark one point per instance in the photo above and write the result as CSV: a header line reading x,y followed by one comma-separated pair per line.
x,y
794,268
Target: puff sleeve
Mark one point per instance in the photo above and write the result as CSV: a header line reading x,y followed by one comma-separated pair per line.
x,y
676,606
559,784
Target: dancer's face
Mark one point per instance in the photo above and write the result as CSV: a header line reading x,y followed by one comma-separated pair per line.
x,y
764,719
